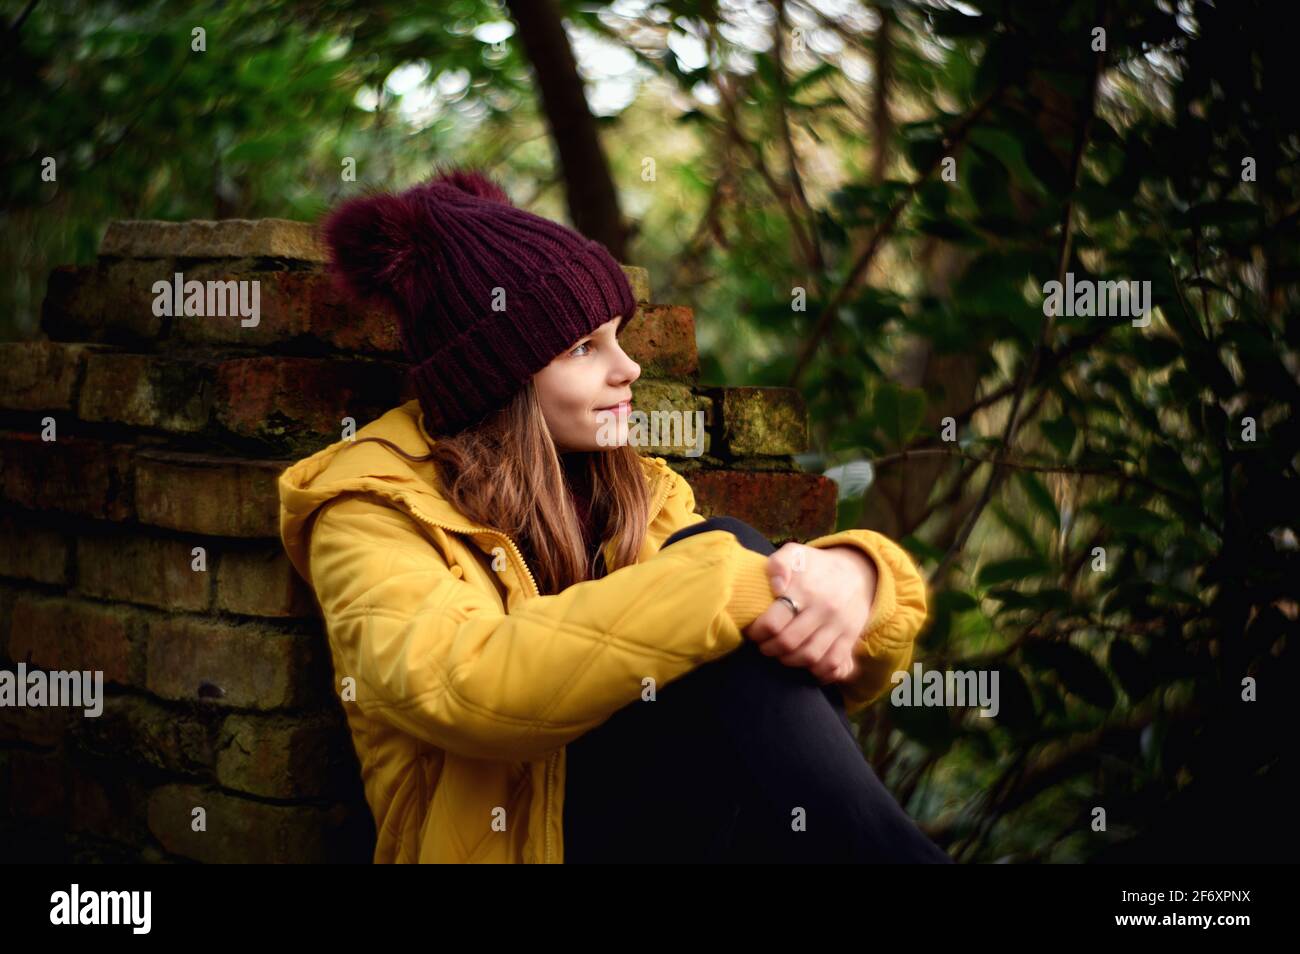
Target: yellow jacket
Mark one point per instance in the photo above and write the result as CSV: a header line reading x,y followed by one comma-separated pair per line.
x,y
462,685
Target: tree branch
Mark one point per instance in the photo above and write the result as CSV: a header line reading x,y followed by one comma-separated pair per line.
x,y
952,143
1031,372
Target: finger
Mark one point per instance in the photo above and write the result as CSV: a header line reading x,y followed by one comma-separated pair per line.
x,y
795,632
782,566
814,650
835,665
839,675
850,668
770,622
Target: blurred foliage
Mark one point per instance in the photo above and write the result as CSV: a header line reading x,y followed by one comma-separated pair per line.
x,y
1141,562
1105,527
146,120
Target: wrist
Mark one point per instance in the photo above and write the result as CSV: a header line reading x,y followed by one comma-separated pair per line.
x,y
866,565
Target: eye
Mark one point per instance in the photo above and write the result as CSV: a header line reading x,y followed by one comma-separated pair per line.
x,y
585,344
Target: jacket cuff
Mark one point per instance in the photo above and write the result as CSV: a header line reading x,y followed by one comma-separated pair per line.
x,y
884,604
751,589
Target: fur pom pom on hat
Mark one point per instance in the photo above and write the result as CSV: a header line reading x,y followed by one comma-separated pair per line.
x,y
485,294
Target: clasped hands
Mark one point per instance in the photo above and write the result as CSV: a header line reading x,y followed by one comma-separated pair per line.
x,y
834,588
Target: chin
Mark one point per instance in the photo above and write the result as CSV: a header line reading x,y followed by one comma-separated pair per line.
x,y
612,435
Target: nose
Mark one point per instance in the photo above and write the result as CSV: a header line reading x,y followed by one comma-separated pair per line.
x,y
628,370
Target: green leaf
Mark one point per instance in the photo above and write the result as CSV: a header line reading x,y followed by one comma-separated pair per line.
x,y
919,549
1039,496
929,725
1049,598
1128,518
1165,466
1016,568
1077,670
958,601
1012,600
1045,166
898,411
1016,709
1018,527
1156,351
1133,596
1061,432
988,182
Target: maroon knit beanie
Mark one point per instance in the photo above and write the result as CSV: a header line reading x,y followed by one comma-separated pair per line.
x,y
486,294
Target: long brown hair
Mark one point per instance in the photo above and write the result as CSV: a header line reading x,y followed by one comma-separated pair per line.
x,y
504,472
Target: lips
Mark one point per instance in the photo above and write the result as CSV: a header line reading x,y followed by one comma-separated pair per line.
x,y
622,406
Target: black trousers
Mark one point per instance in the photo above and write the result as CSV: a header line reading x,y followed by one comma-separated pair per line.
x,y
743,759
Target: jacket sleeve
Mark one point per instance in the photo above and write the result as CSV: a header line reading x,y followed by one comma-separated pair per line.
x,y
434,656
898,612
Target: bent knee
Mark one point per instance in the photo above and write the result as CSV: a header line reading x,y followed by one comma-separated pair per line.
x,y
748,536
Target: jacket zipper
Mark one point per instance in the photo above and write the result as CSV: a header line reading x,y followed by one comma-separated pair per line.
x,y
546,812
471,530
555,756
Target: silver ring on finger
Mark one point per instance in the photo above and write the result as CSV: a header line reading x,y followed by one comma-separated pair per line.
x,y
791,603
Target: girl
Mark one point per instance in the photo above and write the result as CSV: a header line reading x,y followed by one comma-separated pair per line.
x,y
544,653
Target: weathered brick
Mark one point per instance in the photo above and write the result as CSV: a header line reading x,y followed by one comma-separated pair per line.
x,y
225,238
678,431
262,582
661,339
293,305
32,553
639,279
39,725
289,401
243,665
228,301
780,505
143,731
52,632
73,307
111,302
755,421
147,391
155,571
210,495
285,756
41,375
73,475
240,830
347,326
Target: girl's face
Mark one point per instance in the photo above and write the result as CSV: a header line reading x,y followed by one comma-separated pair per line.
x,y
578,391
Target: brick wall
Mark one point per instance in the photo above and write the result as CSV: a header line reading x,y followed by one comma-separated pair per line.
x,y
142,541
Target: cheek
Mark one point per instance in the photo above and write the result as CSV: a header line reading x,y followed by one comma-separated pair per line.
x,y
564,402
567,407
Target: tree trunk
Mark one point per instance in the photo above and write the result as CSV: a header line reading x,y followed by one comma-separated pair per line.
x,y
592,198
